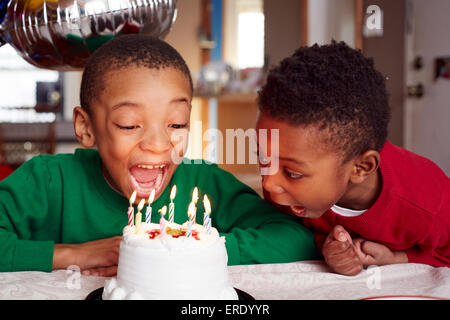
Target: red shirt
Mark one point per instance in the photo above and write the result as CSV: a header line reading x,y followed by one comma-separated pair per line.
x,y
412,212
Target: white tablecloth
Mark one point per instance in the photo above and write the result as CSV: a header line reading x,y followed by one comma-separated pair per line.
x,y
289,281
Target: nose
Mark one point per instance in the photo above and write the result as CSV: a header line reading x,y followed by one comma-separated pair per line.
x,y
156,140
271,185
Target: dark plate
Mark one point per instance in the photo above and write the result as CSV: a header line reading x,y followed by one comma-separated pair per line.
x,y
97,295
242,295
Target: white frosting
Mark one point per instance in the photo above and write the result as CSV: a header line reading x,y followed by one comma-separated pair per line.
x,y
171,268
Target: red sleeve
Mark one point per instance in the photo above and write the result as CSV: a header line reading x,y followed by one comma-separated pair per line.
x,y
434,248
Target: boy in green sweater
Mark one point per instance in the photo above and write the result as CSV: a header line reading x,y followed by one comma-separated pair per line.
x,y
70,209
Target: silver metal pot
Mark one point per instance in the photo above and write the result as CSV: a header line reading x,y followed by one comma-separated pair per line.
x,y
61,34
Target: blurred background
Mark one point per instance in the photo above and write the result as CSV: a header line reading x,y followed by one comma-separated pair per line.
x,y
229,45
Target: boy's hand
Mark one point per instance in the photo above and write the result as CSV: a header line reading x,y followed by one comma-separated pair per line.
x,y
373,253
340,253
99,257
101,271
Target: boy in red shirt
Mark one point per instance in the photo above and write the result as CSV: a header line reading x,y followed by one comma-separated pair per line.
x,y
367,201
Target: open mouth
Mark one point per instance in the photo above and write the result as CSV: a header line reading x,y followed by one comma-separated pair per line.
x,y
146,177
298,210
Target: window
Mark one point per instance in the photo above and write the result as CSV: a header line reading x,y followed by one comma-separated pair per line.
x,y
244,33
18,88
250,40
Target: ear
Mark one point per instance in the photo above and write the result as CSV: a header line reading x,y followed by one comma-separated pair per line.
x,y
364,166
83,128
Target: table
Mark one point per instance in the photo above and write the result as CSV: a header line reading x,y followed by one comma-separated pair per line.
x,y
310,280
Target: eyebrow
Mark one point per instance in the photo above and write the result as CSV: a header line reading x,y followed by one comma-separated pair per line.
x,y
124,104
301,163
177,100
132,104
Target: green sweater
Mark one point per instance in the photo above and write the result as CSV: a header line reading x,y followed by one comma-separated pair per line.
x,y
66,199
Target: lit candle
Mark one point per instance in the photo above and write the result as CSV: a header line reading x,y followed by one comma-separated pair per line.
x,y
194,202
131,209
162,222
173,192
191,217
148,212
139,216
195,195
207,216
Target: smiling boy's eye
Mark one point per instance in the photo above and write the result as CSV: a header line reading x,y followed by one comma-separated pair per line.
x,y
178,126
127,127
292,175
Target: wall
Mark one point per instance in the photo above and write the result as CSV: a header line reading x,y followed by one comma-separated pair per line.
x,y
331,20
388,52
230,28
71,92
282,28
184,33
327,20
426,118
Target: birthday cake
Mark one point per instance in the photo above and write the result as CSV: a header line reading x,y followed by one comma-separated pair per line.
x,y
184,262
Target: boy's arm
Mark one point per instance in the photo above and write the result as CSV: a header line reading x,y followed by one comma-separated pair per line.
x,y
23,211
24,255
98,257
275,242
255,230
434,248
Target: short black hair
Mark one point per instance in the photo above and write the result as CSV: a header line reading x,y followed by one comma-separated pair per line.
x,y
334,87
123,51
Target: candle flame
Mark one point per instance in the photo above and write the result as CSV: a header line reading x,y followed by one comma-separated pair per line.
x,y
207,204
163,211
195,195
173,192
152,197
191,209
141,204
133,197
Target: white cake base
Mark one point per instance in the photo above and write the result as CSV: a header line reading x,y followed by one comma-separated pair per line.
x,y
171,268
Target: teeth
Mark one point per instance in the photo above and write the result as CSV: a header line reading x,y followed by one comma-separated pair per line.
x,y
293,208
151,166
158,180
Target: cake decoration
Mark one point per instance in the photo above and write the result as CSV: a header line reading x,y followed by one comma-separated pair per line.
x,y
148,212
207,216
162,222
173,192
131,209
139,216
